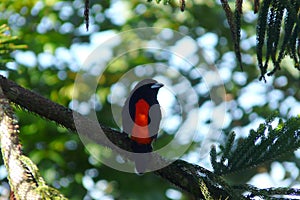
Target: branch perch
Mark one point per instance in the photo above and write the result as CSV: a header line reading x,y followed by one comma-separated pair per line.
x,y
180,173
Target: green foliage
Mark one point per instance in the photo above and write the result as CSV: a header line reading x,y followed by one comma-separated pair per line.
x,y
158,1
269,29
7,45
277,32
261,146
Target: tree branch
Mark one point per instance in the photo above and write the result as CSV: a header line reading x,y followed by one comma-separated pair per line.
x,y
24,178
180,173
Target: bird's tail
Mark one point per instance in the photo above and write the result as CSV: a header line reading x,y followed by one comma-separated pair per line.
x,y
141,158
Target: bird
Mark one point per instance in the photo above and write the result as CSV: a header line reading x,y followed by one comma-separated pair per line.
x,y
141,116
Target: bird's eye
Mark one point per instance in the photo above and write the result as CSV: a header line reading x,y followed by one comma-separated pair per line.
x,y
156,85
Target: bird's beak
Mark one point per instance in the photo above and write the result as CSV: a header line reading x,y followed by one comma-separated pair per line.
x,y
157,85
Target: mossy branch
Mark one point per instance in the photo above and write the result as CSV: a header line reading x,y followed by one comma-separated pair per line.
x,y
23,175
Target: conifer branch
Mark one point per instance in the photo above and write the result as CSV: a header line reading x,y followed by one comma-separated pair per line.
x,y
270,28
234,22
268,193
86,14
272,42
263,145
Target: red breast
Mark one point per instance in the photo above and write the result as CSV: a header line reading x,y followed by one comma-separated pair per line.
x,y
140,130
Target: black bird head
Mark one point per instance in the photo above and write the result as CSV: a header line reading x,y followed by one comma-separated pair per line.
x,y
147,88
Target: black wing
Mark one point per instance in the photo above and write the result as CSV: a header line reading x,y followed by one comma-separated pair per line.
x,y
127,121
154,122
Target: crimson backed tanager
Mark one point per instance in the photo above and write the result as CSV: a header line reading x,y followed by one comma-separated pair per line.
x,y
141,116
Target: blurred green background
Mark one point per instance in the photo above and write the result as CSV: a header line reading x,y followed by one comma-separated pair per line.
x,y
58,45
